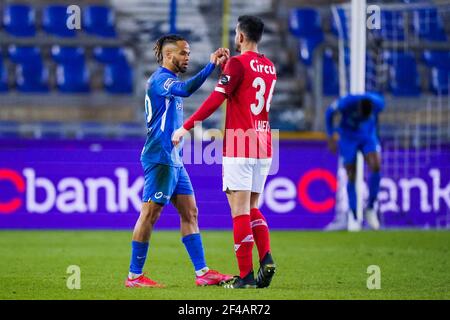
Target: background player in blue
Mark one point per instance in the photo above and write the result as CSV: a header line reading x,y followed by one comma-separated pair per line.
x,y
166,178
358,132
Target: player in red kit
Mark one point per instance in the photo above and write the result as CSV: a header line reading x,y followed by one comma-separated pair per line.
x,y
247,83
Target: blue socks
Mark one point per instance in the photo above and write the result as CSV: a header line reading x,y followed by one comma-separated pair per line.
x,y
193,244
138,256
374,187
351,191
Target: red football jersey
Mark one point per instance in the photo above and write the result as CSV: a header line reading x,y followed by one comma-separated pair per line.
x,y
248,81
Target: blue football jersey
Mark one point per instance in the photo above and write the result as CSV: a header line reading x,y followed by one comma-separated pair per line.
x,y
351,121
164,113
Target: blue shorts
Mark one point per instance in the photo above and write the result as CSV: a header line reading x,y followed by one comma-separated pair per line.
x,y
161,182
349,147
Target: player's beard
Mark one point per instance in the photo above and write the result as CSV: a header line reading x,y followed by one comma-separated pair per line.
x,y
180,67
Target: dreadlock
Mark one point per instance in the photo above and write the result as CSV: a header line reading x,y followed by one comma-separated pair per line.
x,y
171,38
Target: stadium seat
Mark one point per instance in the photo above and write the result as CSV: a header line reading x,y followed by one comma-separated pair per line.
x,y
330,78
54,19
305,22
50,130
339,24
99,20
9,129
434,58
31,73
3,77
19,20
392,26
109,54
19,54
118,75
427,24
67,55
32,77
72,74
403,75
73,78
118,78
307,47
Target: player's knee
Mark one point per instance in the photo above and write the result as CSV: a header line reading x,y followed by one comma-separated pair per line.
x,y
151,215
190,216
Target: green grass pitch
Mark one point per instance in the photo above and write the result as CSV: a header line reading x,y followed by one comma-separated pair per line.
x,y
311,265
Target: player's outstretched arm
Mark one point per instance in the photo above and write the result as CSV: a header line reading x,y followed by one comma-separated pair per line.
x,y
211,104
188,87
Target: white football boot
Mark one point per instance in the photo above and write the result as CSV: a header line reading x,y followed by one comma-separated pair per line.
x,y
353,225
372,219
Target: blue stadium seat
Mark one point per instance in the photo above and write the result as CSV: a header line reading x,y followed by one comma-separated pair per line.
x,y
305,22
67,55
118,78
330,78
403,75
99,20
72,74
339,24
434,58
51,130
32,77
427,24
109,54
31,73
9,129
19,20
307,47
3,77
73,78
54,19
19,54
392,26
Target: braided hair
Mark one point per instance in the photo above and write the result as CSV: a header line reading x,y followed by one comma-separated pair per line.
x,y
158,48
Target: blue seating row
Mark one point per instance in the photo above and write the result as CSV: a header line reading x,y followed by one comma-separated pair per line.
x,y
72,72
19,20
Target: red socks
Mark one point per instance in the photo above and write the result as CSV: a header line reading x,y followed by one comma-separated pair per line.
x,y
243,243
260,232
